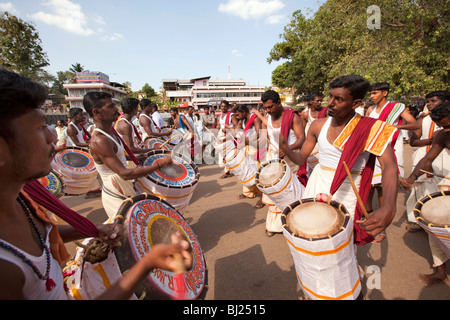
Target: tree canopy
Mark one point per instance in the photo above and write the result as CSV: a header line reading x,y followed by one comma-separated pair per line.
x,y
21,48
410,49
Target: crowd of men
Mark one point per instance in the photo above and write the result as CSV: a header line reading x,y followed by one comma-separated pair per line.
x,y
315,143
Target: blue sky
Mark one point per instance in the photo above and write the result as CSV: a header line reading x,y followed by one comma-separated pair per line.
x,y
145,41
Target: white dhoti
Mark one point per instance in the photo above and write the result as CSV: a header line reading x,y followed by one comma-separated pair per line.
x,y
115,190
320,182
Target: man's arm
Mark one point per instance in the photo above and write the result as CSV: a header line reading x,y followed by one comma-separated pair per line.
x,y
381,218
425,163
412,123
146,124
127,133
300,158
186,123
73,136
103,150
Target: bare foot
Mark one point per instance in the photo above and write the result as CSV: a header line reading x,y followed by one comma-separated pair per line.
x,y
438,276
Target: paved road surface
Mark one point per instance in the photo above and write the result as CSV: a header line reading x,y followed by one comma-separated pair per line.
x,y
244,264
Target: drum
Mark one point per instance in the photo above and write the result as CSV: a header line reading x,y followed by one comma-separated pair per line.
x,y
176,137
242,166
320,238
77,168
276,180
54,183
433,215
156,143
147,221
175,183
223,147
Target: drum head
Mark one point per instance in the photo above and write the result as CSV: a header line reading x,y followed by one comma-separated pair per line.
x,y
53,183
147,222
176,137
180,174
434,209
76,159
156,143
270,173
314,220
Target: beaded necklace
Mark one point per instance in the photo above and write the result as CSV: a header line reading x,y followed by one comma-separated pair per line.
x,y
49,283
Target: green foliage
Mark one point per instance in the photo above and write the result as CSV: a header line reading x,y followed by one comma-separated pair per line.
x,y
20,48
410,50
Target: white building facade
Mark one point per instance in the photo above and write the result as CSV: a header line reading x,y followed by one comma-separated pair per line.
x,y
87,82
204,92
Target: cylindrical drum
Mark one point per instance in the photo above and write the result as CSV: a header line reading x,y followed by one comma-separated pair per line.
x,y
54,183
175,138
320,238
276,180
174,183
223,147
242,166
147,221
77,168
433,215
156,144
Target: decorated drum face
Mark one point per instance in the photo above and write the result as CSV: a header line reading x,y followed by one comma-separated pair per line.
x,y
156,143
180,174
53,183
149,221
175,137
309,219
433,209
77,168
270,173
76,160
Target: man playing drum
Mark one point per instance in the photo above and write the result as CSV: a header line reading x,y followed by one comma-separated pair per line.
x,y
251,126
423,138
313,112
397,115
31,246
441,145
277,123
227,121
149,127
127,130
108,153
337,136
75,131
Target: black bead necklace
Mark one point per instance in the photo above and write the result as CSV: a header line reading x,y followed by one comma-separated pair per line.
x,y
49,283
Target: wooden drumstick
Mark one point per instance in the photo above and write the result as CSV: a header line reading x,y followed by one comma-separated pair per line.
x,y
434,174
165,143
358,197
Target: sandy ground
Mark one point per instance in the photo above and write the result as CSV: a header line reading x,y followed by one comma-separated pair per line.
x,y
244,264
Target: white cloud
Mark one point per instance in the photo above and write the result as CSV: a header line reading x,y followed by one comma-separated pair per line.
x,y
114,37
237,53
276,19
8,6
251,9
65,15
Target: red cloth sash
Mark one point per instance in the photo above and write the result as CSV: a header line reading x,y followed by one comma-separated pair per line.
x,y
303,169
127,149
87,135
46,199
352,149
250,123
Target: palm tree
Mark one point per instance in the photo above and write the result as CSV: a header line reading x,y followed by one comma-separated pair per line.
x,y
77,67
